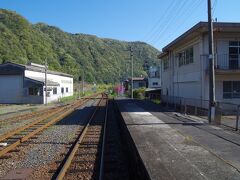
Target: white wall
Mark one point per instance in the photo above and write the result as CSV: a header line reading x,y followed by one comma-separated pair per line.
x,y
184,81
154,80
154,77
166,75
191,81
219,87
65,82
221,45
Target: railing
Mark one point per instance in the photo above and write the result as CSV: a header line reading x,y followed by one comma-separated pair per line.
x,y
225,61
227,114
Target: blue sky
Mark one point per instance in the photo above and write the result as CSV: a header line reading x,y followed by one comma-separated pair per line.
x,y
156,22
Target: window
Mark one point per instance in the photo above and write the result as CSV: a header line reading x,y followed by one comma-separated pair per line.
x,y
165,64
66,90
181,58
155,83
154,74
231,89
62,90
234,54
33,92
185,57
141,84
55,90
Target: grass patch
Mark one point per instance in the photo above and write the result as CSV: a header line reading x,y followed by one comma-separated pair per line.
x,y
156,101
68,99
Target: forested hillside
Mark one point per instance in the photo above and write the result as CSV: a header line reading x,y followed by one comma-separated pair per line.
x,y
102,60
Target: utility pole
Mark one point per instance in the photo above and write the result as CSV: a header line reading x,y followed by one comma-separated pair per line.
x,y
131,53
211,113
79,82
46,67
82,82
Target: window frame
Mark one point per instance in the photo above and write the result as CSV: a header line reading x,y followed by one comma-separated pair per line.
x,y
54,91
234,56
232,91
165,64
186,56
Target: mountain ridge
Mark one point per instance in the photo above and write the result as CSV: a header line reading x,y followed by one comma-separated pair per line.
x,y
102,59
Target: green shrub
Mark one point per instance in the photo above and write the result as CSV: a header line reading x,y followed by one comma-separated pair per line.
x,y
139,93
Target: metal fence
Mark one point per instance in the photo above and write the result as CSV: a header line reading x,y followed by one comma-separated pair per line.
x,y
227,114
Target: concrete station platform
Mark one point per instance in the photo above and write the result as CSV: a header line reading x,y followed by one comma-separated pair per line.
x,y
177,148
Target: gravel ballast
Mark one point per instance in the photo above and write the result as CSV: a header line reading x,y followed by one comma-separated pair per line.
x,y
49,145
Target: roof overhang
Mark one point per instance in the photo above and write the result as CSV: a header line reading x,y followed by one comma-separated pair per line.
x,y
162,55
200,28
41,81
153,89
34,68
11,69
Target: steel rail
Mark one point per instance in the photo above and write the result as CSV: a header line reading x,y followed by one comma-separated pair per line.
x,y
26,137
33,114
44,117
15,131
101,170
34,132
70,157
24,116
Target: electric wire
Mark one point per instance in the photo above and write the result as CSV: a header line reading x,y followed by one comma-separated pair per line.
x,y
178,14
214,6
196,6
161,20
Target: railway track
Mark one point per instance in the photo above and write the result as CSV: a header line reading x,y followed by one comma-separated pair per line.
x,y
25,116
12,139
85,159
31,115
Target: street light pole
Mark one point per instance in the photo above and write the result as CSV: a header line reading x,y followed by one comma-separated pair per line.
x,y
211,114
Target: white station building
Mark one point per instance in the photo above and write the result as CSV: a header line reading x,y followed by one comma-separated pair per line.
x,y
185,65
25,84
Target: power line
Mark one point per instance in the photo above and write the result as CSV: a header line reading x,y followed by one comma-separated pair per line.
x,y
175,10
160,20
177,13
185,16
214,6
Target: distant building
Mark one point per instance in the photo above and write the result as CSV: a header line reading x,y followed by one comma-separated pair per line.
x,y
21,84
185,64
138,82
154,78
154,82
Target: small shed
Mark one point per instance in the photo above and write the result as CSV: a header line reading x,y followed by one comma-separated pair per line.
x,y
138,82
